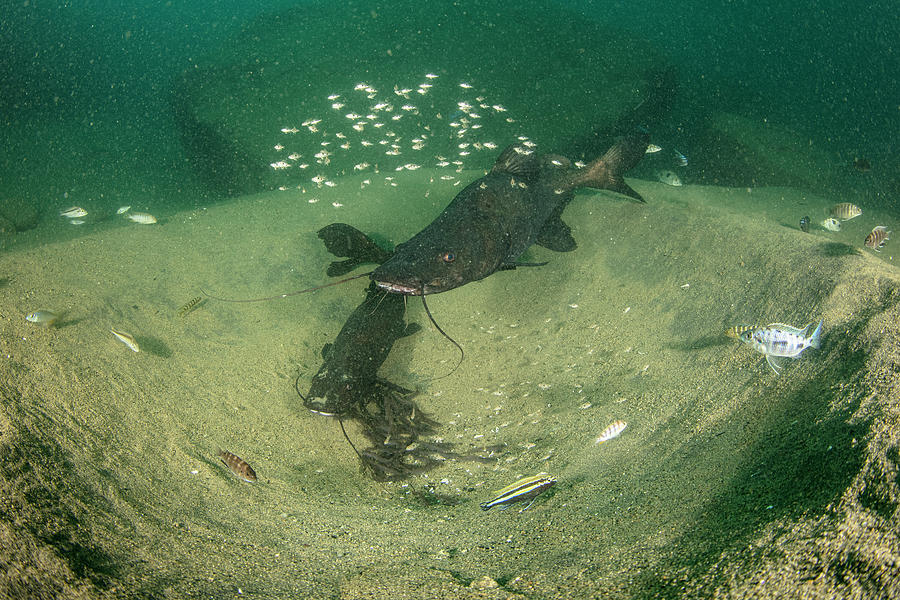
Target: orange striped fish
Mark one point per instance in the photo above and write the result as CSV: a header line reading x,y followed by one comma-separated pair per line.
x,y
615,428
238,466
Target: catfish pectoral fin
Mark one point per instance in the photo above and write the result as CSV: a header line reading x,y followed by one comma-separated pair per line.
x,y
345,241
341,267
556,235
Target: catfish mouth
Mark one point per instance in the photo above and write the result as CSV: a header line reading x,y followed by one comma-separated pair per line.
x,y
399,288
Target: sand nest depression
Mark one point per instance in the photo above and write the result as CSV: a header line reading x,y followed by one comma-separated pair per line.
x,y
728,481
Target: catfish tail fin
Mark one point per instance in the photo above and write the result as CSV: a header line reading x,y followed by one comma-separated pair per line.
x,y
606,172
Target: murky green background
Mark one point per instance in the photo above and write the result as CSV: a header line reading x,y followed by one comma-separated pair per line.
x,y
728,481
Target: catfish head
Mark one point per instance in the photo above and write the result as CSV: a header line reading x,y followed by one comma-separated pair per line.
x,y
458,247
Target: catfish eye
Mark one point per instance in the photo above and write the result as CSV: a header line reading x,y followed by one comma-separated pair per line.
x,y
448,257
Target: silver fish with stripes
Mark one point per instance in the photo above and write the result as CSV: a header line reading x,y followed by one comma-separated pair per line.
x,y
527,488
778,340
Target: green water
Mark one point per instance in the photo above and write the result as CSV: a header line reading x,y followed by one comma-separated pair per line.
x,y
728,480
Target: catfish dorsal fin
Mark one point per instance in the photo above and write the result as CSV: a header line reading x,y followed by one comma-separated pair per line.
x,y
516,160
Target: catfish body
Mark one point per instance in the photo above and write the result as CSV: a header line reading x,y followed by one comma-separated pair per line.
x,y
491,222
349,372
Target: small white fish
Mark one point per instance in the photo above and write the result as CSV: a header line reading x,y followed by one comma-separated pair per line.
x,y
613,431
76,221
123,209
669,178
127,339
278,147
778,340
652,149
289,130
831,224
44,317
141,218
73,212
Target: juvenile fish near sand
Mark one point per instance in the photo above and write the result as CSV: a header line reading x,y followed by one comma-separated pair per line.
x,y
44,318
127,339
876,239
527,488
778,340
613,431
845,211
238,466
73,212
141,218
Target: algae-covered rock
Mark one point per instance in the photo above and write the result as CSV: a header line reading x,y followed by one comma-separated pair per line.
x,y
489,75
17,215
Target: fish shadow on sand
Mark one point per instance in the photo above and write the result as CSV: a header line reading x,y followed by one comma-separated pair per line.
x,y
154,345
707,341
835,249
64,322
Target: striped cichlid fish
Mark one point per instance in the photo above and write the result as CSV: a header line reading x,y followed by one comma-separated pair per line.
x,y
615,428
527,488
845,211
877,238
778,340
238,466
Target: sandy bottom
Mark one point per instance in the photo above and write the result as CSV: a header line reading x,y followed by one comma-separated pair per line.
x,y
728,481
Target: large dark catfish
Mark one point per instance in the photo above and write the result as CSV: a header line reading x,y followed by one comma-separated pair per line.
x,y
349,372
490,223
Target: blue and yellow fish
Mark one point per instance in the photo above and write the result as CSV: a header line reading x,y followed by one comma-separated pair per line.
x,y
527,488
